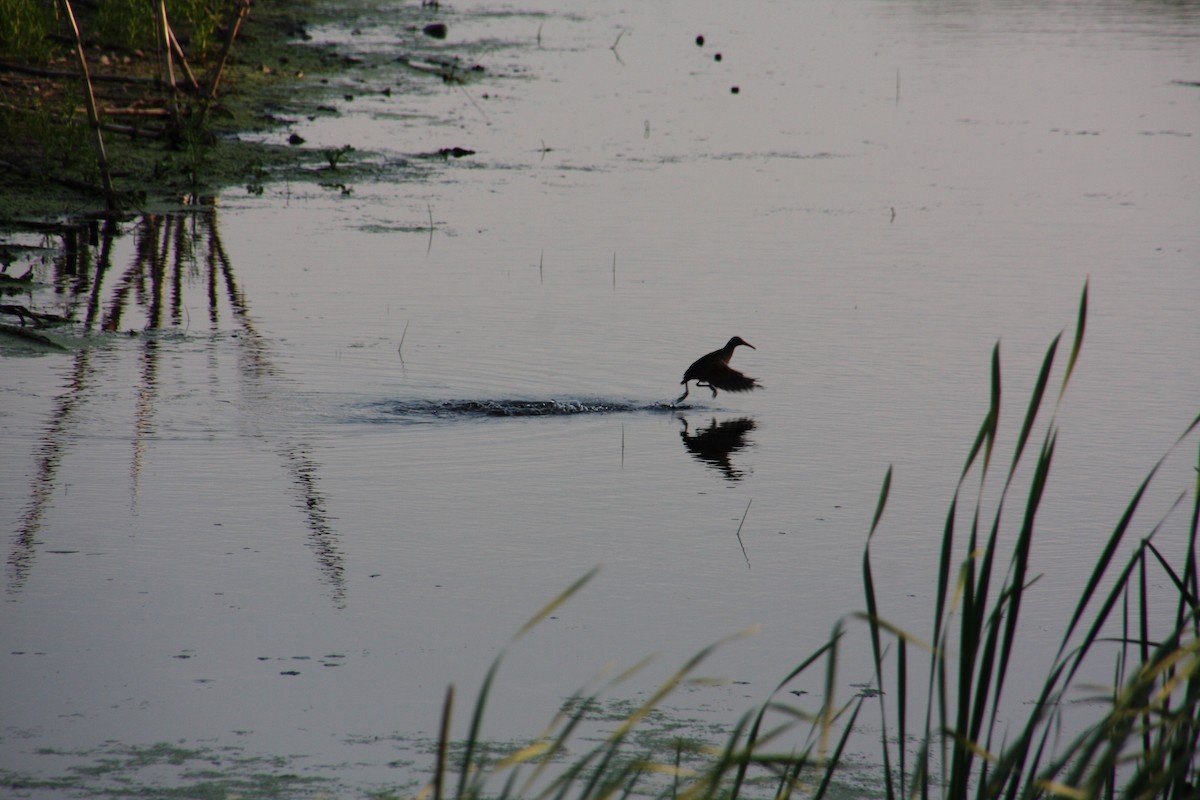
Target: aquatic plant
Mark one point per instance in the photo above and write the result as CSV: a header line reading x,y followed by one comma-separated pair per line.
x,y
334,155
1144,743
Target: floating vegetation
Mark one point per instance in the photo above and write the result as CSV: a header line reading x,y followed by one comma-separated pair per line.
x,y
165,770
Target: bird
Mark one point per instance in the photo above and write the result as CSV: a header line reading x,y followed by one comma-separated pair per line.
x,y
713,371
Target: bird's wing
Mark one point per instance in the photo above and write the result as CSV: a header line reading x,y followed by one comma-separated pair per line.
x,y
728,379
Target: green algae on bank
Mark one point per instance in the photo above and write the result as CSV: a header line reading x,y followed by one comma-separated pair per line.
x,y
276,76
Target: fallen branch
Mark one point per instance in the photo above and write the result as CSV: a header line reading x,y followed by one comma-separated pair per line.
x,y
133,132
135,112
99,78
33,336
38,319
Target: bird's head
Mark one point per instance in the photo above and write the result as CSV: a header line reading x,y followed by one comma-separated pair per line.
x,y
735,341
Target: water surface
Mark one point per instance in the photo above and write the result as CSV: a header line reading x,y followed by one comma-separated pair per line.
x,y
308,460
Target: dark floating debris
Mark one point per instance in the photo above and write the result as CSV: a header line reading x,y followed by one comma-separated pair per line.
x,y
295,140
734,90
448,69
700,40
436,30
717,57
447,152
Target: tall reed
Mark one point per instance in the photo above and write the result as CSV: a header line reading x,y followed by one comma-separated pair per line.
x,y
1145,743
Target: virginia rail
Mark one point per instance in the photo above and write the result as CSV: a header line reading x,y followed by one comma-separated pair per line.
x,y
713,371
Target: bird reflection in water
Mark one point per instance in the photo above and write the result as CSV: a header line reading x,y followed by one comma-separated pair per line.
x,y
716,444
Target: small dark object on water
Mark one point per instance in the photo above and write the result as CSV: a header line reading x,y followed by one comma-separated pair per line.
x,y
700,40
713,371
436,30
295,140
717,57
456,152
734,89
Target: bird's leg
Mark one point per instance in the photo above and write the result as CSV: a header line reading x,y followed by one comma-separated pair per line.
x,y
710,386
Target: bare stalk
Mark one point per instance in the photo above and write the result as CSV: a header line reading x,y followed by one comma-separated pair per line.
x,y
110,195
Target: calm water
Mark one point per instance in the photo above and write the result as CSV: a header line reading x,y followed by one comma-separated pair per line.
x,y
354,455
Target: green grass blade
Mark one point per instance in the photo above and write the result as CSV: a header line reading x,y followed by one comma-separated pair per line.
x,y
753,734
1078,345
826,722
901,708
986,437
1191,580
439,774
882,502
1020,559
937,674
467,766
945,571
1110,549
995,408
873,625
554,604
472,742
672,682
836,758
1035,403
1185,592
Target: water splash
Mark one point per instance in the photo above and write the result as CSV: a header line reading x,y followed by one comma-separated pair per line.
x,y
430,410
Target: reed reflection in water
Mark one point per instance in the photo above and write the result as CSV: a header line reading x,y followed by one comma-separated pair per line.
x,y
173,254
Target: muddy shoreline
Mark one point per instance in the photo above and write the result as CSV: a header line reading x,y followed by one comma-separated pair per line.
x,y
277,77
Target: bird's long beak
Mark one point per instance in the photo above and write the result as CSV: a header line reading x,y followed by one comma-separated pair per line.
x,y
752,347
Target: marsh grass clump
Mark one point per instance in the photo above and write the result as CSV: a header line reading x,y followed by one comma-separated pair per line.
x,y
28,27
334,155
1145,743
131,24
141,79
25,28
952,744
